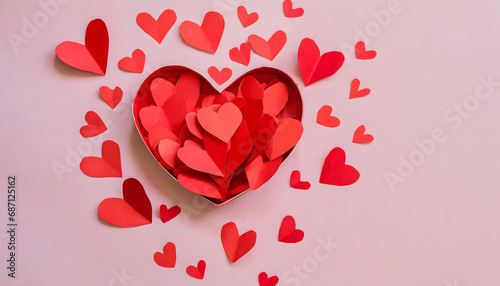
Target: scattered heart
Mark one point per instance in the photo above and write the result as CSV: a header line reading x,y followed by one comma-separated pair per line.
x,y
134,63
236,245
94,127
325,118
245,18
107,166
362,53
168,257
91,57
265,280
157,29
290,12
288,232
296,183
207,36
241,56
360,136
355,92
268,49
336,172
198,271
221,76
315,66
111,96
167,214
133,210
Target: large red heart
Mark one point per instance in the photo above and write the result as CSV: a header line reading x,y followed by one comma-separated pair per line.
x,y
336,172
315,66
157,29
206,36
240,132
93,56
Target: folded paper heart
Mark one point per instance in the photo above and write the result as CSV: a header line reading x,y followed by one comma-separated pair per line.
x,y
216,144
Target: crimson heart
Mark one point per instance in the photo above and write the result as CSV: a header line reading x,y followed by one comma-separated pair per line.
x,y
219,144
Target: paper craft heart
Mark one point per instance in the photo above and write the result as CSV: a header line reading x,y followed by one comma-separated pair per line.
x,y
235,245
207,36
167,214
157,29
198,271
265,280
315,66
168,257
360,136
111,96
336,172
107,166
290,12
355,92
216,144
94,127
362,53
245,18
134,63
241,56
296,183
288,233
268,49
133,210
91,57
325,118
221,76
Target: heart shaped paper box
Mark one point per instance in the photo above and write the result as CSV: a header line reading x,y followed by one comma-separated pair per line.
x,y
214,144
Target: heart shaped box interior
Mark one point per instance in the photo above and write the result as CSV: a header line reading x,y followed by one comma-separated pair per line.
x,y
264,75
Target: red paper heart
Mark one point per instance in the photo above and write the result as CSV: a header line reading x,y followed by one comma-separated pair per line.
x,y
168,257
199,160
288,233
107,166
94,127
221,124
360,136
289,11
325,118
286,137
245,18
235,245
221,76
207,36
296,183
336,172
167,214
315,66
197,272
93,56
134,63
259,171
241,56
200,183
157,29
111,96
133,210
268,49
362,53
264,280
355,92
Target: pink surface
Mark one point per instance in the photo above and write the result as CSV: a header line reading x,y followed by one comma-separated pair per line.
x,y
439,225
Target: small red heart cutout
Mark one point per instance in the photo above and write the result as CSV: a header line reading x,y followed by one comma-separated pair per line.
x,y
360,136
245,18
111,96
133,210
241,56
288,233
168,257
315,66
157,29
221,76
94,127
355,92
107,166
207,36
134,63
235,245
362,53
265,280
91,57
290,12
325,118
336,172
167,214
296,183
198,271
268,49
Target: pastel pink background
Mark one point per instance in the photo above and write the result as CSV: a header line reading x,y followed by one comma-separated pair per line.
x,y
441,226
